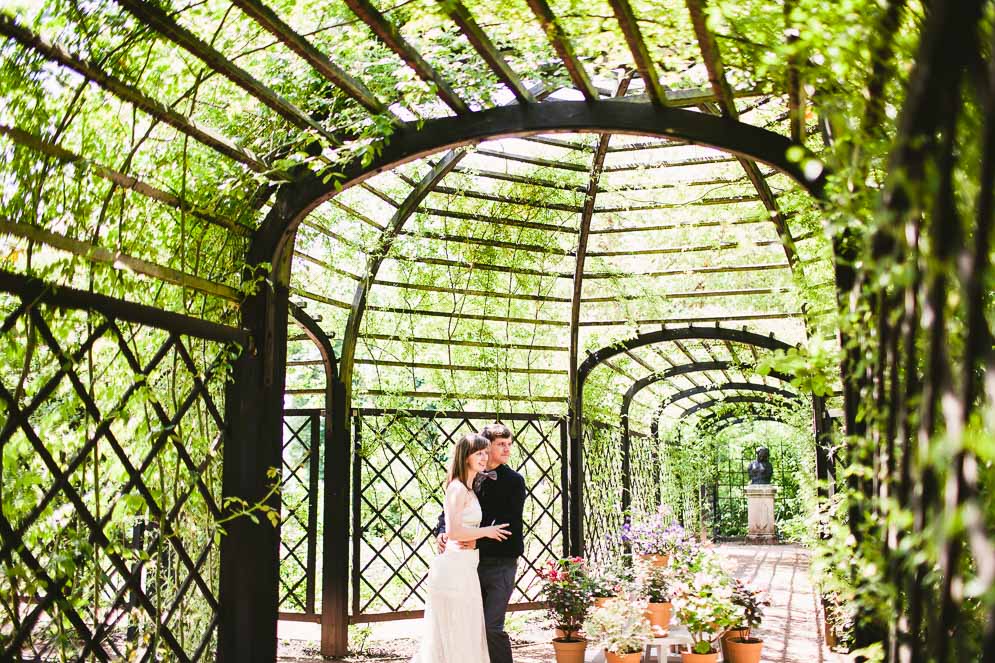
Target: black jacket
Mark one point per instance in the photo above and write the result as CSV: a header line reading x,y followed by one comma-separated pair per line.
x,y
502,500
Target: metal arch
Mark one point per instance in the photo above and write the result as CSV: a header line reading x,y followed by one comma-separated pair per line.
x,y
606,353
296,199
318,336
732,386
678,334
725,401
728,386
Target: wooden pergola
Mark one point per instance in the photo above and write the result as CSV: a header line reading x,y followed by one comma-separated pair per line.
x,y
383,228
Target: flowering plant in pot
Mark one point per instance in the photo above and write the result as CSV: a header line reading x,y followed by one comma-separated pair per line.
x,y
656,537
739,644
566,587
703,603
654,584
603,585
621,628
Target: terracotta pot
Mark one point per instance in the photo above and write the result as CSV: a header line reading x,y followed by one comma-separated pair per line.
x,y
659,616
569,652
656,560
612,657
560,633
743,650
599,601
688,657
743,632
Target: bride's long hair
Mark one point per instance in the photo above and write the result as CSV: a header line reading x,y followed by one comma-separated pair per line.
x,y
468,445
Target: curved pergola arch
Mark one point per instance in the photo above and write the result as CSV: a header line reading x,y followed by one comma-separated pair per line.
x,y
766,399
616,116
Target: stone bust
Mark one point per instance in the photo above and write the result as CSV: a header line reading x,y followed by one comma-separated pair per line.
x,y
761,470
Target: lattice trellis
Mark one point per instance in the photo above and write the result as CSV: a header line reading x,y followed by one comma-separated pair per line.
x,y
603,516
111,477
397,497
301,497
645,474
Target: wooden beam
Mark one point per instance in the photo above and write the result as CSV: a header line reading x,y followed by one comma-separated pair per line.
x,y
640,53
325,265
354,88
723,246
508,200
390,35
481,241
129,93
128,182
436,395
379,194
356,214
677,225
472,293
119,260
693,294
498,220
695,161
535,161
403,310
692,320
559,142
727,105
525,370
32,289
157,19
466,344
488,51
564,49
725,200
519,179
713,61
314,296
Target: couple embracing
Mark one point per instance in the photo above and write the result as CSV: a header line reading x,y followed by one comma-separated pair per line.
x,y
480,539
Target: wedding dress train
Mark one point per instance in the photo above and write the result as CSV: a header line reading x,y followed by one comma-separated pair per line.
x,y
453,630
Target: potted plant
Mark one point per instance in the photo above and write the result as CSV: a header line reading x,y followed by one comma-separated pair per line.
x,y
656,537
739,644
703,603
654,584
620,628
568,596
602,586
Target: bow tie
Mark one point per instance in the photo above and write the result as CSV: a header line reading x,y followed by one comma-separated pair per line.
x,y
479,479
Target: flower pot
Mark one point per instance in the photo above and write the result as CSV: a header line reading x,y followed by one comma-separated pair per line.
x,y
743,632
656,560
599,601
569,652
659,616
560,633
689,657
613,657
743,650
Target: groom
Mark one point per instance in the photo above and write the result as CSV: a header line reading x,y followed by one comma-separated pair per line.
x,y
501,491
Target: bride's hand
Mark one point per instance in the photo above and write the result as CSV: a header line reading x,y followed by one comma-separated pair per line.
x,y
497,532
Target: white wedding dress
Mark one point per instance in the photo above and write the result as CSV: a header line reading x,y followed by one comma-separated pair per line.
x,y
453,631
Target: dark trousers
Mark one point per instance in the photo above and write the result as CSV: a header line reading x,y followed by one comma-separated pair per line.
x,y
497,580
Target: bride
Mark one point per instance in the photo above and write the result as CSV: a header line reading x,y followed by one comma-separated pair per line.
x,y
453,631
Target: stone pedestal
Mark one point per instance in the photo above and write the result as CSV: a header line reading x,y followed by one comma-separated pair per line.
x,y
760,506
